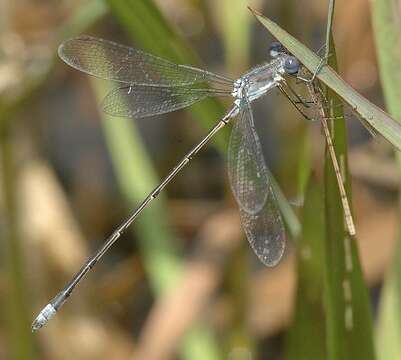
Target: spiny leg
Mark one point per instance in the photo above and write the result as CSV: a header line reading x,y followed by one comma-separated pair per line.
x,y
312,90
282,87
343,194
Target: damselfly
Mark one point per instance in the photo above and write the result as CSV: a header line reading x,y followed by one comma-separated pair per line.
x,y
149,85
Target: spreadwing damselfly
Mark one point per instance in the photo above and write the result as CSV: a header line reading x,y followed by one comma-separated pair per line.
x,y
148,85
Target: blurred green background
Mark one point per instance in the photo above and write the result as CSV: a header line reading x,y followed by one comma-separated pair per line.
x,y
183,283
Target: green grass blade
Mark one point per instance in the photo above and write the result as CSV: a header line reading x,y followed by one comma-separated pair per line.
x,y
388,332
387,27
369,113
348,313
348,322
387,24
235,24
145,23
86,14
137,178
348,316
306,337
293,226
235,27
329,27
15,300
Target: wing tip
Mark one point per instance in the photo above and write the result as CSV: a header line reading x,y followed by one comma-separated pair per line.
x,y
65,46
274,259
268,247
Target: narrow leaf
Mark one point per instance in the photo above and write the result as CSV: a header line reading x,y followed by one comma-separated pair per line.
x,y
306,337
348,313
387,25
15,302
383,123
145,23
330,17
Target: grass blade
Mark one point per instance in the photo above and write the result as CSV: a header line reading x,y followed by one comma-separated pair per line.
x,y
306,337
388,332
329,26
348,313
348,316
146,25
369,113
15,301
235,27
136,178
386,25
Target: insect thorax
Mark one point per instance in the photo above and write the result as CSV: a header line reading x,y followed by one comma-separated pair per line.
x,y
259,80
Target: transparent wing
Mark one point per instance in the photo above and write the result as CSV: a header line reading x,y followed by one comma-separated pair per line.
x,y
112,61
141,101
265,231
249,178
246,166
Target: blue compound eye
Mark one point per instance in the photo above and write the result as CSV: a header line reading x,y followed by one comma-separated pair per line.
x,y
276,48
291,65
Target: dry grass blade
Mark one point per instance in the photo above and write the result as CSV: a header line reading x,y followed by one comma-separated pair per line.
x,y
370,114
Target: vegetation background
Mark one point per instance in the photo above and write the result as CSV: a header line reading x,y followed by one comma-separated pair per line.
x,y
184,283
